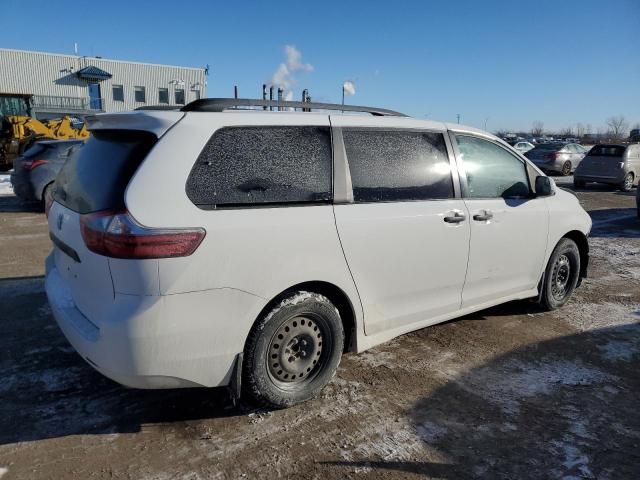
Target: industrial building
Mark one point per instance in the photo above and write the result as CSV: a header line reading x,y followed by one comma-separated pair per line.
x,y
50,85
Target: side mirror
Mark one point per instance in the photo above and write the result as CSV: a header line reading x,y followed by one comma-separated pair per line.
x,y
543,186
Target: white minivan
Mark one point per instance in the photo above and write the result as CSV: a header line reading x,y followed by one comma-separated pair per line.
x,y
223,245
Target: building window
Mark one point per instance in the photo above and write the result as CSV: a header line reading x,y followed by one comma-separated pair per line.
x,y
195,94
179,96
139,94
163,95
118,93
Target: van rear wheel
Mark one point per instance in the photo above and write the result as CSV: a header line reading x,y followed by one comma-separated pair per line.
x,y
561,275
293,351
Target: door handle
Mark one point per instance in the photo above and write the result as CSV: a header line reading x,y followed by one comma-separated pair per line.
x,y
483,216
457,217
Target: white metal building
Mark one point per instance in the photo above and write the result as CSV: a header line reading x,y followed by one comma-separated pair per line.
x,y
48,85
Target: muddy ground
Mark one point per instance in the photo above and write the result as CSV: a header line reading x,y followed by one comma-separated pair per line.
x,y
509,392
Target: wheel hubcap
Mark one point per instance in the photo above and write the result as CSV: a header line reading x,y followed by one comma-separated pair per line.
x,y
566,169
560,277
628,181
295,349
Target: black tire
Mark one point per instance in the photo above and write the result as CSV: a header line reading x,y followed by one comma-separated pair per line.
x,y
579,183
627,183
561,275
47,197
301,338
566,168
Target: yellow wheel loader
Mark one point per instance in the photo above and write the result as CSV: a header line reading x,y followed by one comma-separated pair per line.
x,y
18,133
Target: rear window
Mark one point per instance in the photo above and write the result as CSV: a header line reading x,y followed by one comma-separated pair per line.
x,y
607,151
252,166
552,147
96,178
36,150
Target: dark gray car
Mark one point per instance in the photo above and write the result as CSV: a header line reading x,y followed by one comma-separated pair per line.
x,y
557,157
617,165
35,170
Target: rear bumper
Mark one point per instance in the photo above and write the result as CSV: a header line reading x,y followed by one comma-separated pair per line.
x,y
176,341
548,165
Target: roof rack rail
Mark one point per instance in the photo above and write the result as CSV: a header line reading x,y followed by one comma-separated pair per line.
x,y
221,104
159,107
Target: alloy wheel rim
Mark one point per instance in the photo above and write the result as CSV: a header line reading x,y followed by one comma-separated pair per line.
x,y
628,181
560,276
295,350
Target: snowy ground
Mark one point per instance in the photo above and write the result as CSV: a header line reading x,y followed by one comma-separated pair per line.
x,y
5,184
510,392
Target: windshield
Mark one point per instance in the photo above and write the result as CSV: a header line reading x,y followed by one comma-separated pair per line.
x,y
607,151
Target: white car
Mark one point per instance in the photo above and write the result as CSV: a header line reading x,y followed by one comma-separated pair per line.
x,y
213,246
523,147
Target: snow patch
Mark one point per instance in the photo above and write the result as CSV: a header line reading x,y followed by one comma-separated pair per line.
x,y
593,316
3,471
619,350
5,185
515,381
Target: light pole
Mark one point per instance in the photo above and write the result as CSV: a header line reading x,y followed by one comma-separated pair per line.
x,y
458,115
485,123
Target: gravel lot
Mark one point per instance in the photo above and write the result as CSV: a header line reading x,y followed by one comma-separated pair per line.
x,y
509,392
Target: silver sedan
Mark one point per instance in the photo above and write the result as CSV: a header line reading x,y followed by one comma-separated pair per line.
x,y
560,158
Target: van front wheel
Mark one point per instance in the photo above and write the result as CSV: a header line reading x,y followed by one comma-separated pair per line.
x,y
561,275
293,351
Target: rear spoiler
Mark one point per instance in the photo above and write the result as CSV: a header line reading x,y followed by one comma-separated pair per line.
x,y
154,121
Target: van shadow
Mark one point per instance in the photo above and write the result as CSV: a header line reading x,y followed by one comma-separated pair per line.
x,y
615,223
562,408
11,203
48,391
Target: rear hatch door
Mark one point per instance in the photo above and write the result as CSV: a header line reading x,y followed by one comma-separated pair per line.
x,y
602,160
93,181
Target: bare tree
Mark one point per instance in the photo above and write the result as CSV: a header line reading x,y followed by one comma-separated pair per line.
x,y
537,128
588,128
566,132
617,126
580,130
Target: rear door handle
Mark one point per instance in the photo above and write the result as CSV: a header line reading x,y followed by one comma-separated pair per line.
x,y
483,216
457,217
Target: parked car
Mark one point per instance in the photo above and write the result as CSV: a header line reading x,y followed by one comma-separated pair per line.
x,y
213,246
557,157
617,165
35,170
638,201
523,147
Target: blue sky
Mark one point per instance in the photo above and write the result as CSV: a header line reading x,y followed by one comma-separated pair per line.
x,y
506,62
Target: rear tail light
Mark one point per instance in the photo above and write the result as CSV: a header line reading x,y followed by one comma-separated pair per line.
x,y
31,164
117,234
552,156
